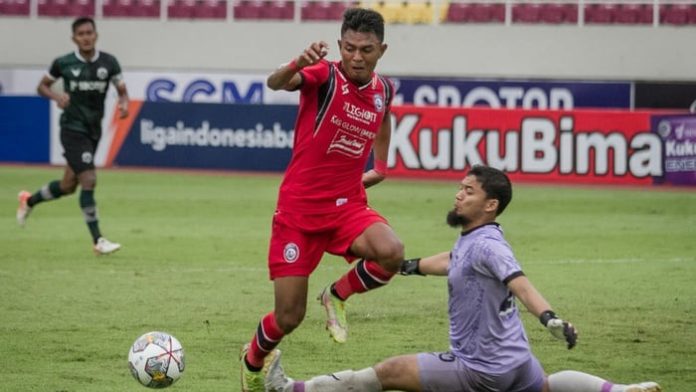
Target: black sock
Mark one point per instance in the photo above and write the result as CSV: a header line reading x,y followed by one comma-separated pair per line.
x,y
50,191
89,211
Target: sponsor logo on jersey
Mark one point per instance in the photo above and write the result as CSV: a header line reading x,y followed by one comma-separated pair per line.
x,y
357,113
347,144
84,85
76,72
291,252
102,73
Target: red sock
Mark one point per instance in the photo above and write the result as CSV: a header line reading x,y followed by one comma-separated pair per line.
x,y
366,275
268,335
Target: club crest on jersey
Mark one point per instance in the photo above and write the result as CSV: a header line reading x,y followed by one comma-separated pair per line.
x,y
291,252
102,73
379,103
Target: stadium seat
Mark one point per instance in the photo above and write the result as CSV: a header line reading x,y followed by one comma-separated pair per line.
x,y
476,12
558,13
247,9
599,13
80,8
633,14
53,8
211,9
458,12
675,14
116,8
323,10
146,8
570,13
487,13
277,10
526,12
181,9
419,12
392,12
14,7
314,10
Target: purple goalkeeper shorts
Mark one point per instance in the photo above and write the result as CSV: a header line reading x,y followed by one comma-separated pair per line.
x,y
443,372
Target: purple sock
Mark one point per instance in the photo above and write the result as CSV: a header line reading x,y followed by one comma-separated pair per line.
x,y
298,386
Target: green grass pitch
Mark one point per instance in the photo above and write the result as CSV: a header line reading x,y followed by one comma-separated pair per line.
x,y
618,263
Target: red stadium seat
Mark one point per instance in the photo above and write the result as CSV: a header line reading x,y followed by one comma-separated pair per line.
x,y
277,10
314,10
53,7
675,14
337,9
116,8
487,13
633,14
211,9
526,12
552,13
458,12
181,9
599,13
247,9
14,7
80,8
570,13
146,8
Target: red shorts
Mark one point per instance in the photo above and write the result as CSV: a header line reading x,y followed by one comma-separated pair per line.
x,y
299,241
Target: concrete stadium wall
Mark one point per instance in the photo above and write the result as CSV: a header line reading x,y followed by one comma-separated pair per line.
x,y
545,52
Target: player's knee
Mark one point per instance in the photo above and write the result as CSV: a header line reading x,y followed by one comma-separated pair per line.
x,y
289,320
68,188
391,372
391,254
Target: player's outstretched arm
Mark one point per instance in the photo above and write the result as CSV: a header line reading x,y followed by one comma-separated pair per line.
x,y
523,289
431,265
286,77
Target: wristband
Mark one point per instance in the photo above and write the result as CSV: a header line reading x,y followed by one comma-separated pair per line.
x,y
380,167
547,316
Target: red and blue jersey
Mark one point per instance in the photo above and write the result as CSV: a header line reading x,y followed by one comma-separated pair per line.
x,y
337,123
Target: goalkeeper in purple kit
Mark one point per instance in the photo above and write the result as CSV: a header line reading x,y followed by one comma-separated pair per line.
x,y
489,350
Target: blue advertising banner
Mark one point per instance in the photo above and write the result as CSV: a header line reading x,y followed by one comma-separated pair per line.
x,y
210,136
678,133
512,94
24,129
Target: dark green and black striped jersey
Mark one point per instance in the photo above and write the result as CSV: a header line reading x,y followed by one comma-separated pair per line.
x,y
87,84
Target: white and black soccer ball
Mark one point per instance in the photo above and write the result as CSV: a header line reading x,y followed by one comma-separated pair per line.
x,y
156,359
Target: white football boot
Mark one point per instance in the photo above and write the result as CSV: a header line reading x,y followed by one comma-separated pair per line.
x,y
23,209
105,247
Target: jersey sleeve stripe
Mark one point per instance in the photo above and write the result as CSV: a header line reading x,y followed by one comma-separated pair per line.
x,y
327,97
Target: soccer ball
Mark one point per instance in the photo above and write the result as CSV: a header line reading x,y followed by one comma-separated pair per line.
x,y
156,359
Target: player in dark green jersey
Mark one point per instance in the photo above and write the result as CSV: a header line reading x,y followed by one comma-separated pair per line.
x,y
86,75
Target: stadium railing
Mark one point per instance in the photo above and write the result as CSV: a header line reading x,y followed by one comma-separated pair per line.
x,y
426,12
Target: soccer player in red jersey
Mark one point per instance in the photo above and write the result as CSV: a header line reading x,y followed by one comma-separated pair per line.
x,y
322,204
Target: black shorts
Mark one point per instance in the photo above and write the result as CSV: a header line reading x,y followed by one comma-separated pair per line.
x,y
79,150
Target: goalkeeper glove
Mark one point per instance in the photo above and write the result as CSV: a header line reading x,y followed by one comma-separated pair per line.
x,y
410,267
560,329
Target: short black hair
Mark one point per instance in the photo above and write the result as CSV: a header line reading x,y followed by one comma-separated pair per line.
x,y
363,20
83,20
495,183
